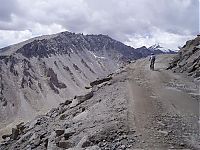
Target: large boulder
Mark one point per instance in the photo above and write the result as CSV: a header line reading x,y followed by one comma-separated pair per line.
x,y
99,81
15,134
64,144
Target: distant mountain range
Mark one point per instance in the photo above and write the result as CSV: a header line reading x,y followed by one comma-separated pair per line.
x,y
158,47
155,49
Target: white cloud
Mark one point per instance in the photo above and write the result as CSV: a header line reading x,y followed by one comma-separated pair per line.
x,y
8,37
12,37
122,20
165,39
39,29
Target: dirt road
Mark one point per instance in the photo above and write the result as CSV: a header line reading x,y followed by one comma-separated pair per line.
x,y
163,106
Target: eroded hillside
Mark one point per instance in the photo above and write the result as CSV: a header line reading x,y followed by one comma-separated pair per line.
x,y
40,73
133,108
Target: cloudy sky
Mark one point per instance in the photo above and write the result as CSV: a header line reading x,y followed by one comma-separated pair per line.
x,y
134,22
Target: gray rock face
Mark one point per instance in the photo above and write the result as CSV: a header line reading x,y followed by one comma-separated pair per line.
x,y
188,59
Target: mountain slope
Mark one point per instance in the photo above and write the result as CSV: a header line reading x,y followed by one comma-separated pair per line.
x,y
135,108
42,72
188,58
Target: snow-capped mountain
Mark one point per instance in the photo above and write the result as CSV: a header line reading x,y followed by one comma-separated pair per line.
x,y
157,47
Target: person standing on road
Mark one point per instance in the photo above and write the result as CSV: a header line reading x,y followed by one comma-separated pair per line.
x,y
152,60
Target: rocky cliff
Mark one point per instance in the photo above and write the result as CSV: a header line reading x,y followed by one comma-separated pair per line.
x,y
188,58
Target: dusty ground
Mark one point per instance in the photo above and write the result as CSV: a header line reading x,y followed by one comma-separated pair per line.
x,y
137,109
163,106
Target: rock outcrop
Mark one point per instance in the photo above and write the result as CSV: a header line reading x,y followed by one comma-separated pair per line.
x,y
188,59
